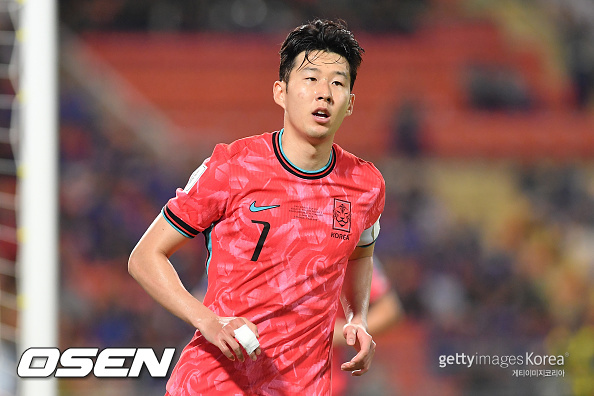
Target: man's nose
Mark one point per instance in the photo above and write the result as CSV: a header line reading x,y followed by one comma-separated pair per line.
x,y
323,91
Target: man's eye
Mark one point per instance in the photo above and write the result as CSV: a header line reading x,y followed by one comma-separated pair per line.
x,y
310,78
339,83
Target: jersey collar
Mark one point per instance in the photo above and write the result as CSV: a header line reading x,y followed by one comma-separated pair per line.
x,y
302,173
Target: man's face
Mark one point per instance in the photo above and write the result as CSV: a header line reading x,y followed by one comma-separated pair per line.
x,y
317,97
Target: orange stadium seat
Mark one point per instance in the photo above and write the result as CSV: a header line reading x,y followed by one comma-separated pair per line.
x,y
217,84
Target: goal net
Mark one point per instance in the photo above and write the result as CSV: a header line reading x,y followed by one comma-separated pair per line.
x,y
28,188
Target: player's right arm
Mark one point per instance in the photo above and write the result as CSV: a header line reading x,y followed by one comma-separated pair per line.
x,y
149,264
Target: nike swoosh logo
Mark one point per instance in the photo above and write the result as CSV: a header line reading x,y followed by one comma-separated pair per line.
x,y
254,208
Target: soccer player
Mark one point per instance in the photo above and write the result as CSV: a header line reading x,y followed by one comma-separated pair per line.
x,y
290,220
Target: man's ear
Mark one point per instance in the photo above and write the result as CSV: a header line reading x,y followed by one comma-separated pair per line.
x,y
351,105
278,92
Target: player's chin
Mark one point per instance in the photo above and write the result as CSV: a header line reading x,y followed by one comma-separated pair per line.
x,y
320,132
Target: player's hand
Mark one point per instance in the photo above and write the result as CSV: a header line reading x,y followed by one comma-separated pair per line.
x,y
338,339
357,336
220,331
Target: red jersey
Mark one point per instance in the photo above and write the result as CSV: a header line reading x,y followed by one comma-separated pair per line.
x,y
279,239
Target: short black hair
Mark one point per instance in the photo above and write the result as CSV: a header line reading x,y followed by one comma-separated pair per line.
x,y
320,35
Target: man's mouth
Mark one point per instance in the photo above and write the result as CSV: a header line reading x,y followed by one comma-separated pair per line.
x,y
321,114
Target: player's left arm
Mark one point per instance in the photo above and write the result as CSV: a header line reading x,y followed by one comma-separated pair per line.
x,y
355,301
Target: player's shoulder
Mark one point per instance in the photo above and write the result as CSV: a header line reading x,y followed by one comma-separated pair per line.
x,y
357,164
244,146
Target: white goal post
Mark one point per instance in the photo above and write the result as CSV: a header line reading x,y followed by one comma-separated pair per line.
x,y
37,171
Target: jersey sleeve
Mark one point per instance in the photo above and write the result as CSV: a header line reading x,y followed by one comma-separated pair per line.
x,y
369,235
377,207
204,199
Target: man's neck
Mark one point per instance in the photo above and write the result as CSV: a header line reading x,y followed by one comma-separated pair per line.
x,y
305,154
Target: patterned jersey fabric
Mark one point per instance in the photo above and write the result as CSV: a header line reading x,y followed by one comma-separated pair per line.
x,y
279,239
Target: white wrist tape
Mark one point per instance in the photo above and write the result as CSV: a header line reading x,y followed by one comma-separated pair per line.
x,y
247,339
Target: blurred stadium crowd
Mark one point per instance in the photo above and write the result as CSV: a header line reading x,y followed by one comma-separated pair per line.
x,y
515,277
238,15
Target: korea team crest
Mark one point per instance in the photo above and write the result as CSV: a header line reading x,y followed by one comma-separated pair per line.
x,y
341,216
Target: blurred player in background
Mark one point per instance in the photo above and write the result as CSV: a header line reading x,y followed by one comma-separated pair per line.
x,y
385,310
290,221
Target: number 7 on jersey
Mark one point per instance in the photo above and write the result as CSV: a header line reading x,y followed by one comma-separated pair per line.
x,y
261,240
